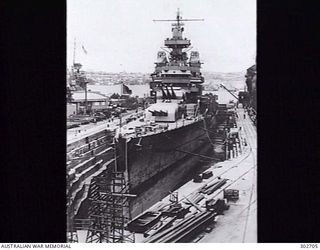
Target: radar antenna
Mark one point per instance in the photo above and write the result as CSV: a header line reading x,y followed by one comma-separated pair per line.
x,y
178,19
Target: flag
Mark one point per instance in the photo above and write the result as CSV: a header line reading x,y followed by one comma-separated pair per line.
x,y
84,50
126,90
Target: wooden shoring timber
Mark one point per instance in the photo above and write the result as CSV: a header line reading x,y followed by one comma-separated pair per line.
x,y
188,227
180,224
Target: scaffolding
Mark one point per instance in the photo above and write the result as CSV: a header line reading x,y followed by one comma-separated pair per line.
x,y
109,211
74,227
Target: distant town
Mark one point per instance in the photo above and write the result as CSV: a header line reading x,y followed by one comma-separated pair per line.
x,y
233,80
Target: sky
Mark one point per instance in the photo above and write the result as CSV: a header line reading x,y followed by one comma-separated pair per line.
x,y
120,35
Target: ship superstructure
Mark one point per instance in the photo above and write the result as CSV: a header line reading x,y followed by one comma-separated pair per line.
x,y
174,128
177,77
176,86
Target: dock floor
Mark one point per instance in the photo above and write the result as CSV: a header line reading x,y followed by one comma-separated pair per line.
x,y
239,223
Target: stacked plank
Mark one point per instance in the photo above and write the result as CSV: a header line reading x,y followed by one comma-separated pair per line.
x,y
211,188
184,230
195,198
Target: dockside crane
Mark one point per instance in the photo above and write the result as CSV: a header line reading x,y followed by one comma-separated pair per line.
x,y
221,85
241,98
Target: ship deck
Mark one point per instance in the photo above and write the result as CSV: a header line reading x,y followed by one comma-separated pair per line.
x,y
128,130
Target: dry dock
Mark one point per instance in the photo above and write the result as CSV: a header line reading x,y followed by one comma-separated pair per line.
x,y
89,153
239,222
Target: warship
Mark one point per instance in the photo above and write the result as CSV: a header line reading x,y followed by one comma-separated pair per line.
x,y
251,83
176,129
249,98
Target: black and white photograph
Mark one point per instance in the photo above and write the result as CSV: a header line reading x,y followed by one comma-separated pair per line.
x,y
161,121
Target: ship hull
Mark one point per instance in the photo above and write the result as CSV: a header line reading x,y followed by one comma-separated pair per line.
x,y
159,186
147,160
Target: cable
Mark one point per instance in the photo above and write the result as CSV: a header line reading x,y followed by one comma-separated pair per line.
x,y
194,154
205,127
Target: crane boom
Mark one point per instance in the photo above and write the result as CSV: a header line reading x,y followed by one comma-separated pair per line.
x,y
221,85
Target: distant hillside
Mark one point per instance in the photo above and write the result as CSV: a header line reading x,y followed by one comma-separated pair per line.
x,y
232,80
107,78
